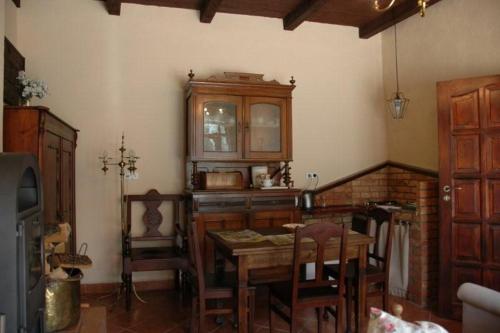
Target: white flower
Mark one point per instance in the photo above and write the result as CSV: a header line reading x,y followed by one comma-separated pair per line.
x,y
31,88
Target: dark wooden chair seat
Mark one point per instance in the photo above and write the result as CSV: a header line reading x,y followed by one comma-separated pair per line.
x,y
321,292
153,258
162,258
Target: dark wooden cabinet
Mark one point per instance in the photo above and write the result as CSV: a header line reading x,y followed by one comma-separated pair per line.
x,y
36,130
236,121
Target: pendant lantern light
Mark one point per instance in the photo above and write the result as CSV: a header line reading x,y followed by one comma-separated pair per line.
x,y
398,103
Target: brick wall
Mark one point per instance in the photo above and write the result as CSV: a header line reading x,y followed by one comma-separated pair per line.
x,y
403,186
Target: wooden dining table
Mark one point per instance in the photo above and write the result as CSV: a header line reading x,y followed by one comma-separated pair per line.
x,y
266,254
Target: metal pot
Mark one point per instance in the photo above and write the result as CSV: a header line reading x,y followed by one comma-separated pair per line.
x,y
62,302
307,200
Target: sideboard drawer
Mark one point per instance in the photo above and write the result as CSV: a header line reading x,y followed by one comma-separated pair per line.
x,y
221,204
270,202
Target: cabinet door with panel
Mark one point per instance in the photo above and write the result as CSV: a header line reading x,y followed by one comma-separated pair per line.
x,y
265,128
67,178
51,182
218,120
216,221
271,219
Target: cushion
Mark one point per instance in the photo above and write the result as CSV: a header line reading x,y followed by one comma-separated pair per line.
x,y
383,322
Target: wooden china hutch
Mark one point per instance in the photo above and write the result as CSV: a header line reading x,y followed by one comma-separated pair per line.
x,y
235,122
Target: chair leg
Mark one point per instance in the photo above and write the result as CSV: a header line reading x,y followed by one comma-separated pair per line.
x,y
356,312
385,297
339,320
319,318
270,312
348,296
177,282
294,324
194,317
251,312
202,327
128,291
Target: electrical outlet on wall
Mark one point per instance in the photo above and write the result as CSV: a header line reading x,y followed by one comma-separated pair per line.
x,y
311,175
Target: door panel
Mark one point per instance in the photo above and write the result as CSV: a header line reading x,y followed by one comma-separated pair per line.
x,y
465,111
51,182
492,279
467,157
492,99
462,275
493,248
493,200
466,242
492,152
469,176
466,203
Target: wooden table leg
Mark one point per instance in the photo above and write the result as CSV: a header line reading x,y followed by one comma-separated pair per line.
x,y
242,294
362,288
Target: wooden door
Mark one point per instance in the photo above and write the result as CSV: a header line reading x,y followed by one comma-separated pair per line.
x,y
218,125
51,178
469,154
265,128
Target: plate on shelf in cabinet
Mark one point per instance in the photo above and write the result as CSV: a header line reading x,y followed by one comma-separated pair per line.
x,y
293,226
274,188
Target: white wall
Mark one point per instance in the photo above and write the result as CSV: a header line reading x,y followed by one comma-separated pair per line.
x,y
109,74
456,39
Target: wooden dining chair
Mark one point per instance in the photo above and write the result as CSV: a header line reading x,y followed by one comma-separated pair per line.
x,y
320,292
153,258
378,266
211,290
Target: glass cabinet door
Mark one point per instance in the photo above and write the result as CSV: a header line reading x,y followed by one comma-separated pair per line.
x,y
265,132
218,127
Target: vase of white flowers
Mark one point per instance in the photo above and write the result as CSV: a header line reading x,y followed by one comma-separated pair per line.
x,y
29,88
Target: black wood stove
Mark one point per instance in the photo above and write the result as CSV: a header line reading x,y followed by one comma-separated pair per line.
x,y
22,283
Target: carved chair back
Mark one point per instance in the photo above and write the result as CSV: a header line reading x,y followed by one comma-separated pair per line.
x,y
361,224
320,233
152,217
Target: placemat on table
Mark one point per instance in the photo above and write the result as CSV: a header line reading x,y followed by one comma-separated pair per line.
x,y
287,239
241,236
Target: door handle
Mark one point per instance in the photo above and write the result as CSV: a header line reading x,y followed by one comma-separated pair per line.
x,y
447,189
446,197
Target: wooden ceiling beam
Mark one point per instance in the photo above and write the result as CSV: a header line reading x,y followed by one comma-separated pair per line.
x,y
391,17
301,13
208,10
114,7
17,3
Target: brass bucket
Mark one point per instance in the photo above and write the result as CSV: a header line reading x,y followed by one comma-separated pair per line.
x,y
62,302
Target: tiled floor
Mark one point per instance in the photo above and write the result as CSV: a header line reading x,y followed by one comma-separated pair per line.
x,y
166,312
